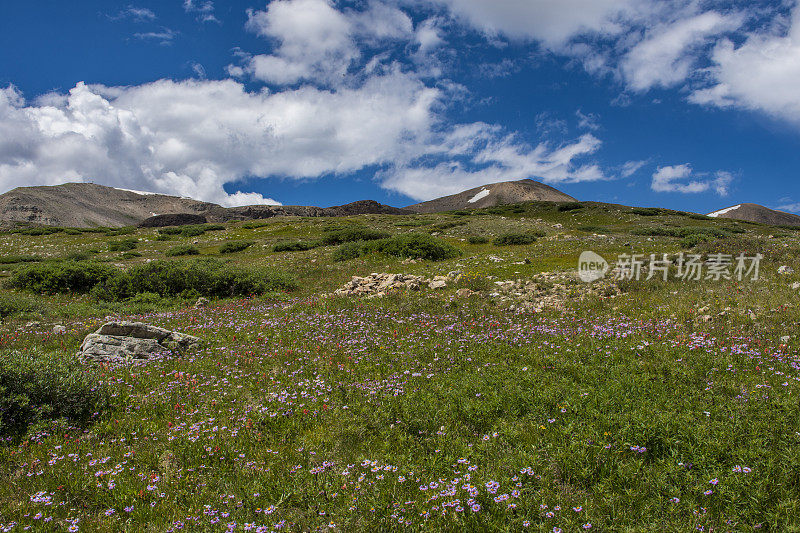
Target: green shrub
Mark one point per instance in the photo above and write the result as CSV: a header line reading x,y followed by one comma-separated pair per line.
x,y
592,229
415,245
131,255
190,230
78,256
698,216
61,277
511,239
347,251
116,232
39,230
40,387
181,250
73,231
163,237
300,246
442,226
11,305
667,231
207,278
123,245
570,206
647,211
692,240
352,235
231,247
477,239
11,259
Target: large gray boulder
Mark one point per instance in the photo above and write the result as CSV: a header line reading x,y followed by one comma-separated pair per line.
x,y
126,341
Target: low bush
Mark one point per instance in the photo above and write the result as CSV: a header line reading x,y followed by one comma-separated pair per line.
x,y
190,230
39,230
347,251
12,305
131,255
352,235
570,206
647,211
12,259
182,250
698,216
123,245
511,239
477,239
40,387
61,277
116,232
667,231
231,247
415,245
690,241
442,226
592,229
299,246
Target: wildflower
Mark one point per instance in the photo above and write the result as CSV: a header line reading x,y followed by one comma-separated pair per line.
x,y
714,481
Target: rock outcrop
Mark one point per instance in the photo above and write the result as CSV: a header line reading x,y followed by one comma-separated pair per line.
x,y
127,341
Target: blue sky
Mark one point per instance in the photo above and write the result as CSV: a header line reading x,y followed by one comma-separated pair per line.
x,y
686,104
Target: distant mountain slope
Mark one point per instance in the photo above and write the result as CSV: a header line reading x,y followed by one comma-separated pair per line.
x,y
506,192
757,213
89,204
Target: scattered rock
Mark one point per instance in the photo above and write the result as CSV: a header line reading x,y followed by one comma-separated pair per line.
x,y
796,285
704,318
59,329
33,324
785,339
464,293
437,284
785,269
125,341
408,261
201,302
380,283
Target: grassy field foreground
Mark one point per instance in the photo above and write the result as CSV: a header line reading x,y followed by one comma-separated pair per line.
x,y
419,411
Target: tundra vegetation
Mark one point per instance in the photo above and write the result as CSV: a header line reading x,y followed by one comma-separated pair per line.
x,y
658,406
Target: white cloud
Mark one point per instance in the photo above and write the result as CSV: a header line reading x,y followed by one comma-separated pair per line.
x,y
138,14
552,22
631,167
762,74
682,179
190,138
165,36
315,42
792,207
476,154
247,198
668,54
202,9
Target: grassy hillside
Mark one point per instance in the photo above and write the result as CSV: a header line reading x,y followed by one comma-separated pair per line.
x,y
644,406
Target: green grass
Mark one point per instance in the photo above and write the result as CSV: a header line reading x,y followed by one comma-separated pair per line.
x,y
320,413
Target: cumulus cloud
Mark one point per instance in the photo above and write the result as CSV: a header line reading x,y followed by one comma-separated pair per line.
x,y
668,53
761,74
315,42
682,179
553,23
191,138
476,154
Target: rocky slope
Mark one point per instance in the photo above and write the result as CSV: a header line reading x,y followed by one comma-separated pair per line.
x,y
757,213
88,204
506,192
